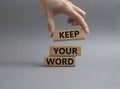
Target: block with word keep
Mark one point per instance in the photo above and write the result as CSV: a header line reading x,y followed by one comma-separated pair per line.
x,y
62,35
65,51
59,61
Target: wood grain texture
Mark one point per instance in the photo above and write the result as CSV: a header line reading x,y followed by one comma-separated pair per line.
x,y
59,61
63,35
65,51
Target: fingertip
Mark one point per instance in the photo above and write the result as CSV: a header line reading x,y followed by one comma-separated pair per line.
x,y
84,14
87,30
51,34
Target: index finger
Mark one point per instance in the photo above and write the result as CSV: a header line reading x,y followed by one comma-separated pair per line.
x,y
69,11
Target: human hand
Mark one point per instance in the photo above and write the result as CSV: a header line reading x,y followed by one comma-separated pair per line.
x,y
53,7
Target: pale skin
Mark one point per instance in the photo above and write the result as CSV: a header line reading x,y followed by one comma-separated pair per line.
x,y
75,14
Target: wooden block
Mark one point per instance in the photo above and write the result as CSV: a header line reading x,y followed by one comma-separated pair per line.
x,y
62,35
65,51
59,61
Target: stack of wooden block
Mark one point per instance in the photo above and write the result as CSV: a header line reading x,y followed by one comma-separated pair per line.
x,y
64,55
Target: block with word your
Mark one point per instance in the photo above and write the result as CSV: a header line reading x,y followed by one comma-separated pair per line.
x,y
65,51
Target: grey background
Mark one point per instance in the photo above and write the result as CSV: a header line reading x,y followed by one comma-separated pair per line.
x,y
24,41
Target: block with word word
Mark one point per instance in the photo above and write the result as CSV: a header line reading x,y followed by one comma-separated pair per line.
x,y
59,61
61,35
65,51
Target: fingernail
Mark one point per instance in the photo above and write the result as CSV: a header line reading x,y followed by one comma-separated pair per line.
x,y
50,34
87,30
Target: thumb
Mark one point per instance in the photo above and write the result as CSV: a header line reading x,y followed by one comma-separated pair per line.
x,y
50,22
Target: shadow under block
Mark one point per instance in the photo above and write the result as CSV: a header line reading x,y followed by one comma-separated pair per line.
x,y
65,51
62,35
59,61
